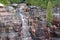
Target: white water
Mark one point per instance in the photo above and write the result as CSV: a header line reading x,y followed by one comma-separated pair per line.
x,y
25,35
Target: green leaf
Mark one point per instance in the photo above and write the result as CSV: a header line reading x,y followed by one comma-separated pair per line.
x,y
49,15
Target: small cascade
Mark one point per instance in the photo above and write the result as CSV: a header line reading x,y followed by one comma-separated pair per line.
x,y
25,35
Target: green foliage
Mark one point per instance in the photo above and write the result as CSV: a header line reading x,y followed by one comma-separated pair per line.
x,y
14,1
4,2
49,15
56,2
41,3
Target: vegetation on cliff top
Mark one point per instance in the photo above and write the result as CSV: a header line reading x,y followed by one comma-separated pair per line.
x,y
41,3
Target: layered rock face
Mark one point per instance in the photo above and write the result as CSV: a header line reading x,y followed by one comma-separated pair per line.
x,y
35,19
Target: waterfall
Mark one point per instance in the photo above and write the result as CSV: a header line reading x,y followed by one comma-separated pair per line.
x,y
25,35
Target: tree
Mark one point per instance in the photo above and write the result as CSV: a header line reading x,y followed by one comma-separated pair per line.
x,y
49,15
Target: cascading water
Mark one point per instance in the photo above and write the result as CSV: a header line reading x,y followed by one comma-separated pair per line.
x,y
25,35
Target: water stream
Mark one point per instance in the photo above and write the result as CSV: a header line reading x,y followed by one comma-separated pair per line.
x,y
25,35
